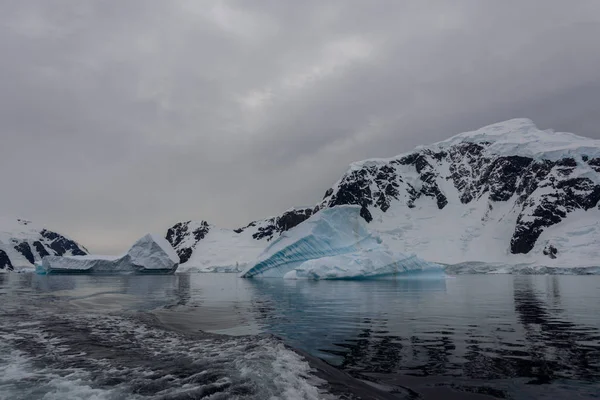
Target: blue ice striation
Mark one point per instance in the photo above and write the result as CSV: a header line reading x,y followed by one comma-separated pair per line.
x,y
377,263
339,246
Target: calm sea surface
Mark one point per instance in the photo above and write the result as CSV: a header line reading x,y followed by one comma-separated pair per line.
x,y
218,336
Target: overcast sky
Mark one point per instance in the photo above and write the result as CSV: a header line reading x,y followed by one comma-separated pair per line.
x,y
120,117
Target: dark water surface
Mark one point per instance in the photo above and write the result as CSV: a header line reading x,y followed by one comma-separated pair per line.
x,y
217,336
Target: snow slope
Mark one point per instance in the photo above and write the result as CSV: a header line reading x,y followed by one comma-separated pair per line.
x,y
23,243
205,248
224,250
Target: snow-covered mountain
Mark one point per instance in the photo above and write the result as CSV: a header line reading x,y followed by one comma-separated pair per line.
x,y
22,244
507,193
202,246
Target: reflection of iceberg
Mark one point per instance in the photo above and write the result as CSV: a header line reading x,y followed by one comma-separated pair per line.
x,y
376,263
150,254
324,317
333,244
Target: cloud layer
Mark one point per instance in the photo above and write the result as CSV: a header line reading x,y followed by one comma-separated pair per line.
x,y
118,118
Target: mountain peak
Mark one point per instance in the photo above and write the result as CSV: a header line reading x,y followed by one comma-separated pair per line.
x,y
514,137
520,136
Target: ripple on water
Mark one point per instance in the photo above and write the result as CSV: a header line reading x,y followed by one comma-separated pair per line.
x,y
108,357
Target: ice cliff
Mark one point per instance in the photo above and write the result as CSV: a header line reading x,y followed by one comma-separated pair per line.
x,y
150,254
336,237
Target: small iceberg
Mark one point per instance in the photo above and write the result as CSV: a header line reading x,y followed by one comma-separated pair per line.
x,y
336,244
152,254
368,264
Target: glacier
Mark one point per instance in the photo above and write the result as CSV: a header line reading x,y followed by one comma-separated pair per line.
x,y
150,254
334,244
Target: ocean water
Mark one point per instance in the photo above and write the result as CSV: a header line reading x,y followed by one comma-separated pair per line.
x,y
216,336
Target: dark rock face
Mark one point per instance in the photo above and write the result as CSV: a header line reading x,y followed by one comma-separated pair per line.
x,y
475,174
25,250
290,219
424,165
502,176
377,186
275,226
465,161
595,164
61,245
563,197
34,245
41,250
184,254
5,261
355,188
179,232
550,251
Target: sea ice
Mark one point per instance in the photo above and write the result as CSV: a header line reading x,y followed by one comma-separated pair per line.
x,y
378,263
150,254
333,243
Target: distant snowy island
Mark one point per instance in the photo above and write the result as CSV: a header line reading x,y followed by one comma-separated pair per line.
x,y
506,198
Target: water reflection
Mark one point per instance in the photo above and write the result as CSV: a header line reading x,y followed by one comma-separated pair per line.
x,y
505,333
557,347
337,320
126,292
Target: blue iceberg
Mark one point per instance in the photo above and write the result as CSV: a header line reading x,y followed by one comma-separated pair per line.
x,y
151,254
334,244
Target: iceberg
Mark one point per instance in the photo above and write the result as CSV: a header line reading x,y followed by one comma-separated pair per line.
x,y
151,254
334,244
332,231
379,263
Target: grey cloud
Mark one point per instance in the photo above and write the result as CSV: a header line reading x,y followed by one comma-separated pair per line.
x,y
118,118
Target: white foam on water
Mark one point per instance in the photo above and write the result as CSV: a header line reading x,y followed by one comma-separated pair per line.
x,y
104,357
20,379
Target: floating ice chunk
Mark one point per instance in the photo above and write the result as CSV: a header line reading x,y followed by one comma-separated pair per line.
x,y
150,254
330,232
378,263
153,252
